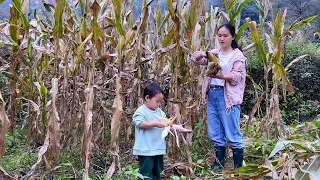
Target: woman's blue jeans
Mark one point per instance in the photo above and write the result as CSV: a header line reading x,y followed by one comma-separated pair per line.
x,y
223,124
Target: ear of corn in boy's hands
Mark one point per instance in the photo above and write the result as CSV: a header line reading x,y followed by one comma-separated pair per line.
x,y
166,121
180,128
169,125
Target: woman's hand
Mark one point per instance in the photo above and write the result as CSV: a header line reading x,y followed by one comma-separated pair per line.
x,y
220,75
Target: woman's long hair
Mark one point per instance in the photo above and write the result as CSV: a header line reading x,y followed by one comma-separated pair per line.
x,y
232,31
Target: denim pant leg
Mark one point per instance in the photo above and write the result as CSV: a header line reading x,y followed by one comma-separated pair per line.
x,y
216,131
230,119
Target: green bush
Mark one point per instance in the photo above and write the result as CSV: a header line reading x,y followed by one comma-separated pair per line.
x,y
304,76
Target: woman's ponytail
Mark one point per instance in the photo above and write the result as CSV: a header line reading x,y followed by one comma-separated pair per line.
x,y
235,45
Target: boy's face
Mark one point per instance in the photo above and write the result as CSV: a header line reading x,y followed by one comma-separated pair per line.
x,y
154,102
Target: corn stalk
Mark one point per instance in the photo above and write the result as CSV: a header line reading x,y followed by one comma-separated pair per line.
x,y
271,55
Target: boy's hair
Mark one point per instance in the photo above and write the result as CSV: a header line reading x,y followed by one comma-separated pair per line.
x,y
151,90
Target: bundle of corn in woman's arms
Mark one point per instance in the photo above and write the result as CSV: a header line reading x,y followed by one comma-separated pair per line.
x,y
213,65
169,125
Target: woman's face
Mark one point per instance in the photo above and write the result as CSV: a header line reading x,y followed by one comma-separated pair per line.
x,y
225,38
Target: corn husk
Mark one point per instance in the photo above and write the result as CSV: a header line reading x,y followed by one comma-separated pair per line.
x,y
213,65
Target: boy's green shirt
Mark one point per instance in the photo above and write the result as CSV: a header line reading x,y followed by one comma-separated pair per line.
x,y
148,142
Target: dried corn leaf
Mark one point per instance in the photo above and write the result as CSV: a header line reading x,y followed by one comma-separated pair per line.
x,y
87,135
115,123
111,170
41,152
5,175
4,126
54,124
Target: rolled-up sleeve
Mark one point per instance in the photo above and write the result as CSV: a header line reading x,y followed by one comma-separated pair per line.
x,y
202,61
138,118
238,72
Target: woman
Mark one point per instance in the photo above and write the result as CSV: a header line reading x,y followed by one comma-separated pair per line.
x,y
225,94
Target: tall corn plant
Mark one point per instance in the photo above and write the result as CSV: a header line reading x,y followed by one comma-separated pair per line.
x,y
271,55
233,11
232,15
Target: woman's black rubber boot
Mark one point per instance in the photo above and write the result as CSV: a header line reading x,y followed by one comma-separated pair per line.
x,y
237,157
218,165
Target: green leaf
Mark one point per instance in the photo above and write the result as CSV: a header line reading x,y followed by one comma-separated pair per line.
x,y
43,89
193,15
241,29
236,14
141,176
279,68
232,4
250,169
1,1
278,27
280,146
117,11
159,16
82,6
83,30
302,23
58,25
128,172
256,86
170,8
256,39
98,34
13,29
113,42
30,41
111,21
18,12
226,4
169,37
199,161
302,147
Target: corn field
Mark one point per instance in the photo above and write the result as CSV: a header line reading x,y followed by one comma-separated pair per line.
x,y
77,70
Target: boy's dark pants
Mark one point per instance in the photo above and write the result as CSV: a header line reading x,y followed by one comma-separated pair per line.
x,y
151,166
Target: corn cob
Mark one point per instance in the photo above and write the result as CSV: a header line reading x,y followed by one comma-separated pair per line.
x,y
213,66
212,57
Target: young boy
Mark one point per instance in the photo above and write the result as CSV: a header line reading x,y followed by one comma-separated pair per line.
x,y
149,146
